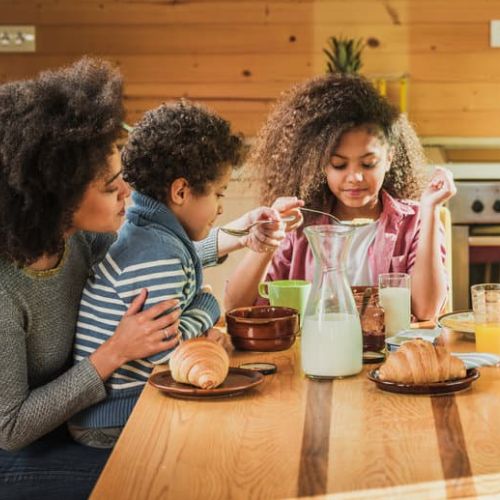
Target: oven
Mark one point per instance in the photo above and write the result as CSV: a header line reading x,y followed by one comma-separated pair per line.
x,y
475,216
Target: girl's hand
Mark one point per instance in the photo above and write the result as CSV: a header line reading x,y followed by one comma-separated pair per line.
x,y
441,188
138,335
221,338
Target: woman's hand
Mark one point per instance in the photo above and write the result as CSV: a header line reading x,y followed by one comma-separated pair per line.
x,y
138,335
440,188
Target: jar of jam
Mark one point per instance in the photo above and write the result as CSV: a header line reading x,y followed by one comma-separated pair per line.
x,y
371,314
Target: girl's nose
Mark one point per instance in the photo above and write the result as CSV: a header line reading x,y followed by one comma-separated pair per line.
x,y
356,176
220,210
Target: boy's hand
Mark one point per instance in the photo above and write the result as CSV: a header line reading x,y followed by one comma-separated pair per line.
x,y
440,188
289,205
221,338
268,237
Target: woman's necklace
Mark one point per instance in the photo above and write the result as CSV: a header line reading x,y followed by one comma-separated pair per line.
x,y
48,265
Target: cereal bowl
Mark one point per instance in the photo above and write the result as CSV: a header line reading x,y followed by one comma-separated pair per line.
x,y
263,345
277,325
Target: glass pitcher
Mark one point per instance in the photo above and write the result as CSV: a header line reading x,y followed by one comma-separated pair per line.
x,y
332,342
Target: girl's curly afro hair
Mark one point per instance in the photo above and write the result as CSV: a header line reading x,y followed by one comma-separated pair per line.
x,y
56,133
176,140
304,130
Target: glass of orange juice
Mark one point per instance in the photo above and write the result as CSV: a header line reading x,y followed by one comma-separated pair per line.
x,y
486,306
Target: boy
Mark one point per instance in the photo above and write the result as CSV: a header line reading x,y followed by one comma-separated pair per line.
x,y
179,160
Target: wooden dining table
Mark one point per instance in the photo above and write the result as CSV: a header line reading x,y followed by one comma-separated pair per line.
x,y
293,437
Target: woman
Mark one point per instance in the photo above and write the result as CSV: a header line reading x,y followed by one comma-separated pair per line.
x,y
60,184
61,197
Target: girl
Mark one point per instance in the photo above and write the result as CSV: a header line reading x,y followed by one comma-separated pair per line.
x,y
341,147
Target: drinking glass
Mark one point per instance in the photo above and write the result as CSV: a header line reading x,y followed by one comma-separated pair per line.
x,y
486,306
394,292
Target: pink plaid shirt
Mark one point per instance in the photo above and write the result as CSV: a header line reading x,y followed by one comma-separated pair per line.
x,y
394,248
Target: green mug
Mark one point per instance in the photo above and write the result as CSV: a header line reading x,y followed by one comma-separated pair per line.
x,y
287,293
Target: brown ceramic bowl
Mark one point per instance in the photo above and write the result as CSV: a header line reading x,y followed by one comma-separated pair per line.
x,y
262,322
278,344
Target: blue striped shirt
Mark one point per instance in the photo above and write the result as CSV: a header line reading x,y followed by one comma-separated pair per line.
x,y
152,251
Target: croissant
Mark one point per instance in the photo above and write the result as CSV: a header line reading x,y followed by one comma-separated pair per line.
x,y
200,362
420,362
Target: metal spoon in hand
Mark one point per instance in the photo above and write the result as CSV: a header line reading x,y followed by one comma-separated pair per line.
x,y
245,231
357,222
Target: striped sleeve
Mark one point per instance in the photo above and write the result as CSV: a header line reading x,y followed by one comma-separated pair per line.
x,y
99,314
208,250
166,279
200,315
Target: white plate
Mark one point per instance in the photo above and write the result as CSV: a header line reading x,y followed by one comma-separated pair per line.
x,y
460,321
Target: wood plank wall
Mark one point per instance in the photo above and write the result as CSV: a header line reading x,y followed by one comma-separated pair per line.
x,y
238,55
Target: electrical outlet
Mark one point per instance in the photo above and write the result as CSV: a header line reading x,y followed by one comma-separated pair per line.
x,y
14,38
495,33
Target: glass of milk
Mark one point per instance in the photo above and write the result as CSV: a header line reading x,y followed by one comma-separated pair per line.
x,y
395,297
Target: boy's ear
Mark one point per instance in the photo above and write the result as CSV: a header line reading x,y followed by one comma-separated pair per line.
x,y
178,191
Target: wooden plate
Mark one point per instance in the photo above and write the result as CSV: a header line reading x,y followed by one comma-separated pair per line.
x,y
237,381
460,321
435,388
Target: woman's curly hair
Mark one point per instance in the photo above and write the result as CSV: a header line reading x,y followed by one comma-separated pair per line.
x,y
305,128
177,140
56,133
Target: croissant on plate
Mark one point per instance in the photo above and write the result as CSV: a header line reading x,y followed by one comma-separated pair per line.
x,y
420,362
200,362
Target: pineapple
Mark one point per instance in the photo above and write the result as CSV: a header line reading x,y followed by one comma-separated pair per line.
x,y
344,55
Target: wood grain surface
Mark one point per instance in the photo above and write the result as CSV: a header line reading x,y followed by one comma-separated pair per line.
x,y
294,437
241,50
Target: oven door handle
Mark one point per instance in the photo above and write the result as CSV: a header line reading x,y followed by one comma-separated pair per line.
x,y
484,241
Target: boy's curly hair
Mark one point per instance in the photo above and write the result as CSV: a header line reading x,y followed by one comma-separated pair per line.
x,y
304,129
176,140
56,133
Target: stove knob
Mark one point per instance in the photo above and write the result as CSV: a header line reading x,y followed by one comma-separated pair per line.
x,y
477,206
496,206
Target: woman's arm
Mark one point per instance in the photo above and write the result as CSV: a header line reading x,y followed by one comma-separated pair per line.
x,y
428,276
138,335
27,412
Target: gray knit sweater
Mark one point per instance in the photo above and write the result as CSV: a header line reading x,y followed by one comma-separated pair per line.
x,y
39,390
37,325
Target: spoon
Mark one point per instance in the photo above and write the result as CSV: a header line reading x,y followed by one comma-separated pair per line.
x,y
356,222
246,230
